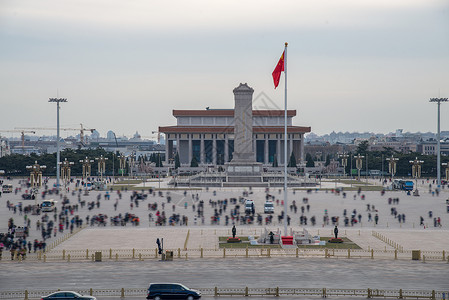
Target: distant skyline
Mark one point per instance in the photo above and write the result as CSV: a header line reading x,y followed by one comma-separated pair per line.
x,y
357,66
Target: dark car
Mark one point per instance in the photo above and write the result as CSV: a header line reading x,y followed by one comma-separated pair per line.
x,y
67,295
159,291
28,197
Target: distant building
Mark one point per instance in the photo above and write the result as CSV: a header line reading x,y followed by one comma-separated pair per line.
x,y
110,135
430,148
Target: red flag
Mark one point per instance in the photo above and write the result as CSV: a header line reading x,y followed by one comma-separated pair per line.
x,y
278,70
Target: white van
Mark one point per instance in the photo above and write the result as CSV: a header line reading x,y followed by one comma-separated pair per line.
x,y
249,206
48,205
268,207
7,188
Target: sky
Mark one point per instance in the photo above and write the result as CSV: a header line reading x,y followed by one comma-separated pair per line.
x,y
352,65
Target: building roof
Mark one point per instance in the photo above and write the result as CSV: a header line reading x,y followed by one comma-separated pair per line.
x,y
230,113
230,129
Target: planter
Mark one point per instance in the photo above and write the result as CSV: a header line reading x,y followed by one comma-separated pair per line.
x,y
335,240
233,240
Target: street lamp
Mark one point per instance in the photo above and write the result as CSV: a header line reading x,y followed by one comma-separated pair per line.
x,y
86,167
438,101
344,162
65,172
101,165
446,170
35,178
122,159
58,154
359,163
392,161
416,169
36,175
132,157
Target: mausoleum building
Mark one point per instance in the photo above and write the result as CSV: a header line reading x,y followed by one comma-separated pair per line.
x,y
209,134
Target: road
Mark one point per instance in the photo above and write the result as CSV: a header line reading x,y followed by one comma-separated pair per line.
x,y
207,273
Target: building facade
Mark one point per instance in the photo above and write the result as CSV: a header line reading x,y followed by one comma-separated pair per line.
x,y
208,135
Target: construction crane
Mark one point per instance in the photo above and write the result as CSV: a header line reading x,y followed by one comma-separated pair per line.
x,y
23,136
81,130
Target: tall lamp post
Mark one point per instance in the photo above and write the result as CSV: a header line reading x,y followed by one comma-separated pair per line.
x,y
65,172
438,101
101,165
359,163
416,169
392,161
58,153
86,167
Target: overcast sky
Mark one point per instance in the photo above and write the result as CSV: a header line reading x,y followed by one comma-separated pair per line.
x,y
353,65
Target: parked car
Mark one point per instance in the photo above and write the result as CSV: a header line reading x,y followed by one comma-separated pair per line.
x,y
158,291
249,207
268,207
66,295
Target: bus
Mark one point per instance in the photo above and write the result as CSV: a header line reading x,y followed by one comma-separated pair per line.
x,y
48,205
405,185
7,188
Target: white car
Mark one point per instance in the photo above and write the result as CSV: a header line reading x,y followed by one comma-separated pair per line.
x,y
249,206
67,295
268,207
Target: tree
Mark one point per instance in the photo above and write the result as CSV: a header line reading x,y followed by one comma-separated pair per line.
x,y
362,148
159,161
328,160
309,161
194,162
177,162
292,162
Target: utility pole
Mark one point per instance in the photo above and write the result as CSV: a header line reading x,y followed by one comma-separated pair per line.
x,y
58,153
438,101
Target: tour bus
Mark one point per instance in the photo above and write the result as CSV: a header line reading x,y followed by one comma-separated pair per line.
x,y
405,185
7,188
48,205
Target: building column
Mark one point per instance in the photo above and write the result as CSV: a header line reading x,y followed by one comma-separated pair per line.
x,y
255,147
301,147
190,148
290,148
167,152
177,147
202,149
226,149
214,149
278,150
266,158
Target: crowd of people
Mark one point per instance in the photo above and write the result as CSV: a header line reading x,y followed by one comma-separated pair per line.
x,y
163,211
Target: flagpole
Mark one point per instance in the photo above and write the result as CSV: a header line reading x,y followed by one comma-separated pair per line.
x,y
285,142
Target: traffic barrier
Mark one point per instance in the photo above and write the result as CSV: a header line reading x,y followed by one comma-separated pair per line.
x,y
246,252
